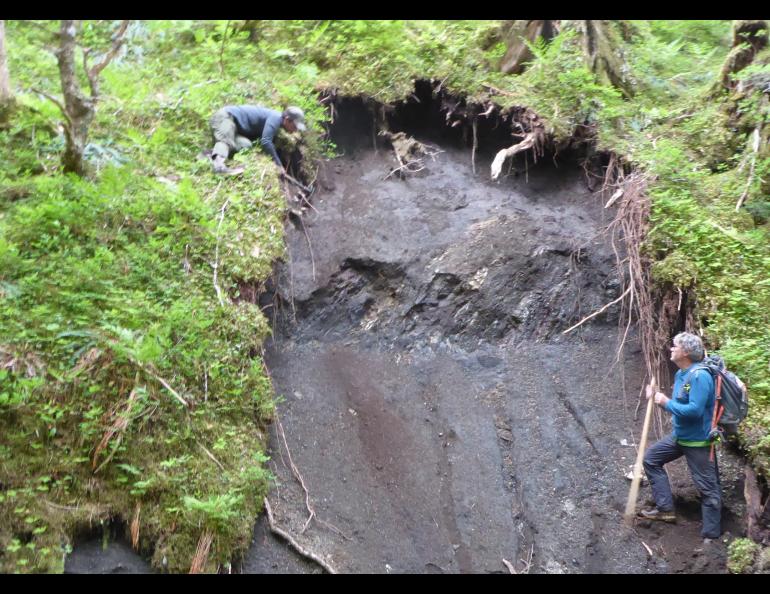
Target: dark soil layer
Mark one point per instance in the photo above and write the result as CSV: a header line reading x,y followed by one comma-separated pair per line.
x,y
440,419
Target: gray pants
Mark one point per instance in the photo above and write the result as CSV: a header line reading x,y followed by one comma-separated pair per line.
x,y
704,472
226,136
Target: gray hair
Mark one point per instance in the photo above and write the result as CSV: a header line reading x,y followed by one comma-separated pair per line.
x,y
691,344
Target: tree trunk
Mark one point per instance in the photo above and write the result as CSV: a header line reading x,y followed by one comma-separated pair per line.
x,y
748,38
520,32
253,28
6,95
601,47
79,109
757,511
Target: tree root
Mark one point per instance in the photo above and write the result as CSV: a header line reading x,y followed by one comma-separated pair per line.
x,y
406,167
294,544
509,565
596,313
475,144
309,245
530,141
407,151
629,229
519,38
297,475
757,527
755,149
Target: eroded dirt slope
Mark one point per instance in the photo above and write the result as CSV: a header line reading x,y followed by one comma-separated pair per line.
x,y
440,419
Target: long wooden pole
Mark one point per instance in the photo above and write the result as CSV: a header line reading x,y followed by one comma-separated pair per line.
x,y
289,178
634,492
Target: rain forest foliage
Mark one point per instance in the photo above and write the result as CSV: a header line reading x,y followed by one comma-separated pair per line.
x,y
129,389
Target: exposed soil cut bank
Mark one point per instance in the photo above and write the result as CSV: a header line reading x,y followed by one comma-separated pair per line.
x,y
440,419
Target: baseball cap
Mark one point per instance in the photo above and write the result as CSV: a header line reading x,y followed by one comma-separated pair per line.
x,y
296,115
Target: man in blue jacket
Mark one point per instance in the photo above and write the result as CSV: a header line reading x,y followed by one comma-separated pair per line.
x,y
236,127
691,406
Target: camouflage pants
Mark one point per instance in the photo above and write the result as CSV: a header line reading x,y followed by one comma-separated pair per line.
x,y
226,136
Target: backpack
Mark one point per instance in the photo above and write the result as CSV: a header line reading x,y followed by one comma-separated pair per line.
x,y
732,399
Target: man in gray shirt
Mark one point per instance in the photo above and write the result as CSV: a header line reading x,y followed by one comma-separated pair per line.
x,y
235,127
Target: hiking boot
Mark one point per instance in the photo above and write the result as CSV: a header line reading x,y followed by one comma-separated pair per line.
x,y
218,165
707,544
658,515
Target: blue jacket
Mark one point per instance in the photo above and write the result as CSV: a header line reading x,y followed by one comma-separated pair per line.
x,y
255,121
692,404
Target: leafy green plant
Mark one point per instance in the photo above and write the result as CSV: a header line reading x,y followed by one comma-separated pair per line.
x,y
217,510
741,554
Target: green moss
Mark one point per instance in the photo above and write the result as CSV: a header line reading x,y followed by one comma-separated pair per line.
x,y
107,287
741,554
675,268
134,302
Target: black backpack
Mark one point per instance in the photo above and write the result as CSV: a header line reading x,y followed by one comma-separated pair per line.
x,y
732,399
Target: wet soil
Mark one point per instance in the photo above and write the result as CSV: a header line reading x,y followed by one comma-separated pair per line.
x,y
439,417
93,556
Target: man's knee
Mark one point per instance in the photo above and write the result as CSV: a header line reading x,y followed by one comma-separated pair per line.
x,y
651,459
710,492
223,129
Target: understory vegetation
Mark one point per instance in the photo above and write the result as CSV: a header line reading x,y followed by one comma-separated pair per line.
x,y
131,380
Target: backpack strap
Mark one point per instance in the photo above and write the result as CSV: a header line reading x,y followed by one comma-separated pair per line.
x,y
697,368
718,410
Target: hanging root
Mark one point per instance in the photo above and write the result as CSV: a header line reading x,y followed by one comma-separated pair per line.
x,y
630,227
297,475
502,156
409,153
655,312
599,311
475,144
534,139
275,529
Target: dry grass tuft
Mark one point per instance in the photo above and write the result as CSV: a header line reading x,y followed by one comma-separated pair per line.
x,y
202,552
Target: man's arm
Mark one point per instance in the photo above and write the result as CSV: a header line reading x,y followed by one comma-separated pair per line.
x,y
268,133
700,391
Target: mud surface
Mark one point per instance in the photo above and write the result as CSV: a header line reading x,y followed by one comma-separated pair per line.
x,y
439,417
96,556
